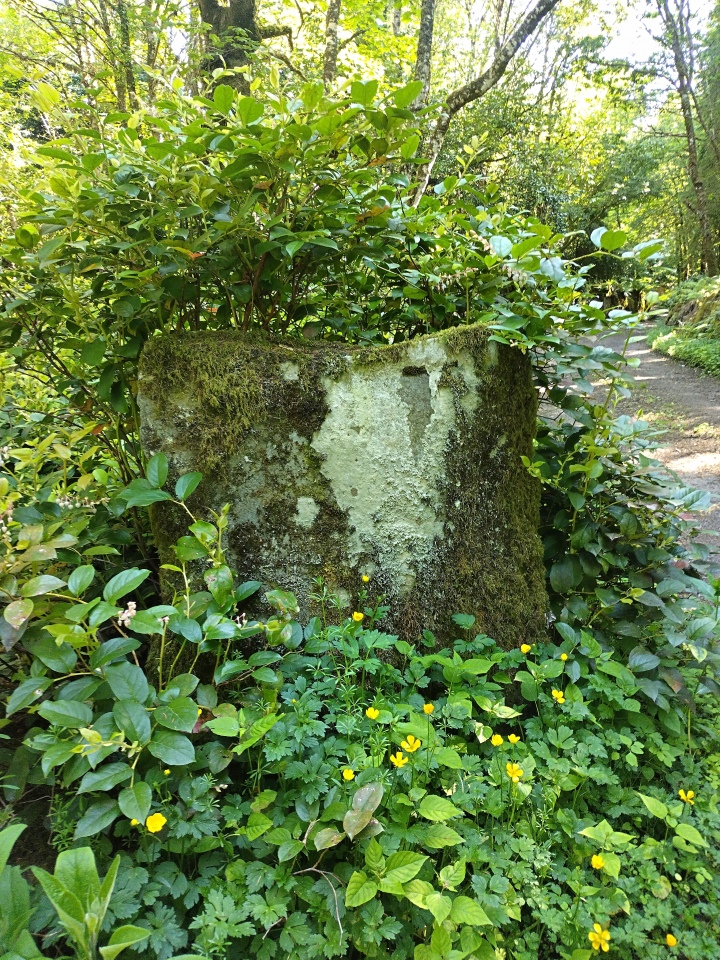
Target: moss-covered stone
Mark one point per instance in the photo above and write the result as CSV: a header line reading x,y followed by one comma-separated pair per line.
x,y
400,462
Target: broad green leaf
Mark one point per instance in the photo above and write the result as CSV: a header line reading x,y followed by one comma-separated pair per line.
x,y
368,797
437,836
257,825
329,837
8,837
105,777
76,870
93,352
123,583
127,681
157,467
97,817
403,866
359,889
656,807
223,726
135,801
41,585
438,905
501,246
122,937
187,484
355,821
249,111
172,748
180,714
80,579
66,713
688,832
566,574
417,891
438,808
407,94
223,97
448,757
465,910
289,849
25,693
17,612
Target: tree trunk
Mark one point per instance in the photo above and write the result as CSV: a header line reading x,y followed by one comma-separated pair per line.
x,y
423,58
331,42
684,88
396,17
126,53
237,32
478,87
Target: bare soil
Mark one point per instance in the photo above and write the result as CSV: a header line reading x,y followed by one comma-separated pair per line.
x,y
684,403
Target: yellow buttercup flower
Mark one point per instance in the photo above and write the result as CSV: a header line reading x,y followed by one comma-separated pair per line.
x,y
156,822
514,771
134,822
365,578
558,696
398,760
428,708
687,797
514,738
670,940
411,744
199,711
348,774
496,739
372,712
599,938
166,772
358,617
598,861
525,648
563,656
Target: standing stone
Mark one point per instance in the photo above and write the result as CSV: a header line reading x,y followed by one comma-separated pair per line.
x,y
401,462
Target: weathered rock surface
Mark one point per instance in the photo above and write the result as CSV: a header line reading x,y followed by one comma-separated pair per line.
x,y
400,462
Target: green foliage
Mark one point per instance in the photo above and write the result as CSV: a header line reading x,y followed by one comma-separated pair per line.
x,y
15,937
692,346
81,901
397,799
276,788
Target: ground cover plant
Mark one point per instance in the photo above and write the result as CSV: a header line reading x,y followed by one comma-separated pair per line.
x,y
691,330
277,788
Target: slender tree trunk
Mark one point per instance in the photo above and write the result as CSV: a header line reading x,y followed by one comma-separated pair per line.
x,y
126,53
478,87
423,58
118,72
396,17
332,23
684,87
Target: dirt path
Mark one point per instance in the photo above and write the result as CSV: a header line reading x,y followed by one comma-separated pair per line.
x,y
685,404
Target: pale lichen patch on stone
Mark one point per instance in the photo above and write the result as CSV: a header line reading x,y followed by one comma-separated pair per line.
x,y
306,513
